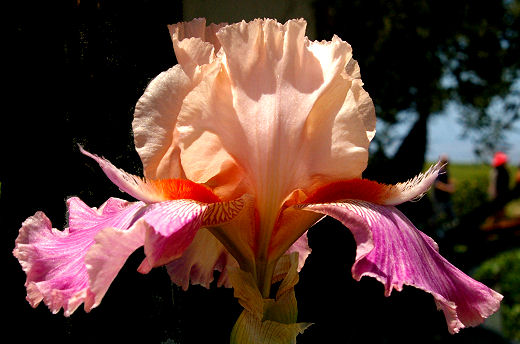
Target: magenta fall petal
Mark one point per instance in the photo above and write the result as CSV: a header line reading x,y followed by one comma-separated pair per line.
x,y
396,253
251,139
54,260
77,265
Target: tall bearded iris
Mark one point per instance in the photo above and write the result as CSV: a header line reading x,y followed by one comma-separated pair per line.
x,y
254,136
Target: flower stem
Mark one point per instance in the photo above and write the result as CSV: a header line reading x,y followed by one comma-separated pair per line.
x,y
264,276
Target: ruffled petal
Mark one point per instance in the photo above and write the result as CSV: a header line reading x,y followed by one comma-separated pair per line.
x,y
106,257
197,264
171,226
154,122
166,230
54,260
170,229
194,43
394,252
283,108
156,111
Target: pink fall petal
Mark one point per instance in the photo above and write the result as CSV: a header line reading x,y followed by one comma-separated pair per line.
x,y
198,263
54,260
396,253
170,229
66,268
206,255
165,230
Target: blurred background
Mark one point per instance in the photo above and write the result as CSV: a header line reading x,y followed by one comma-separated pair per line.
x,y
444,77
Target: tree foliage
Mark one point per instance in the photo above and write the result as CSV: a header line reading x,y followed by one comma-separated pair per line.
x,y
420,55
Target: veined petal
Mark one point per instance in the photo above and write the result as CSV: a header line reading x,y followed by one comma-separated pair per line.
x,y
54,260
154,123
194,43
225,240
171,226
170,229
219,246
166,230
374,192
156,111
394,252
151,191
199,261
283,109
132,185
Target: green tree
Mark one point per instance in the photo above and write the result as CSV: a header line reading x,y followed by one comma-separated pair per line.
x,y
420,55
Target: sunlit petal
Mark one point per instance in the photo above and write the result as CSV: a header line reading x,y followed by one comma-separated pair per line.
x,y
195,43
396,253
156,111
170,229
199,261
241,106
54,260
132,185
374,192
171,226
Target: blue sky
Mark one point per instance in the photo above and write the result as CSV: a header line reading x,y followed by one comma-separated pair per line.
x,y
445,137
445,132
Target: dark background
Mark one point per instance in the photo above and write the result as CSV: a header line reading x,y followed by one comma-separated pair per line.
x,y
74,73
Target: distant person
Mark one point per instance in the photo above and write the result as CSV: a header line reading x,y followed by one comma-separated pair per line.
x,y
516,188
443,188
499,184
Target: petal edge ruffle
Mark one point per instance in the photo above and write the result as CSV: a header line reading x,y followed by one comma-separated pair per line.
x,y
401,254
54,260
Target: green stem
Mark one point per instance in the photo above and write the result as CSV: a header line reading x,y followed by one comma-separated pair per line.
x,y
264,267
264,277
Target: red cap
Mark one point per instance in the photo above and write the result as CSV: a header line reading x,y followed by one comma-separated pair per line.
x,y
500,158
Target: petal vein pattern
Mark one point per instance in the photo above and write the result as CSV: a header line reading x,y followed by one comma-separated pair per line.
x,y
54,260
171,227
132,185
197,264
394,252
219,213
280,146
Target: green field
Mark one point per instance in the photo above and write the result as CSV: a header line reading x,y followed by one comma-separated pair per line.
x,y
472,182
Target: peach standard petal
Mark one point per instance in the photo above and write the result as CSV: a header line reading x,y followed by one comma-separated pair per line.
x,y
284,108
156,111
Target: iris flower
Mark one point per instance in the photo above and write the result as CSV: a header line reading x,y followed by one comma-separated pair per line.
x,y
255,135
